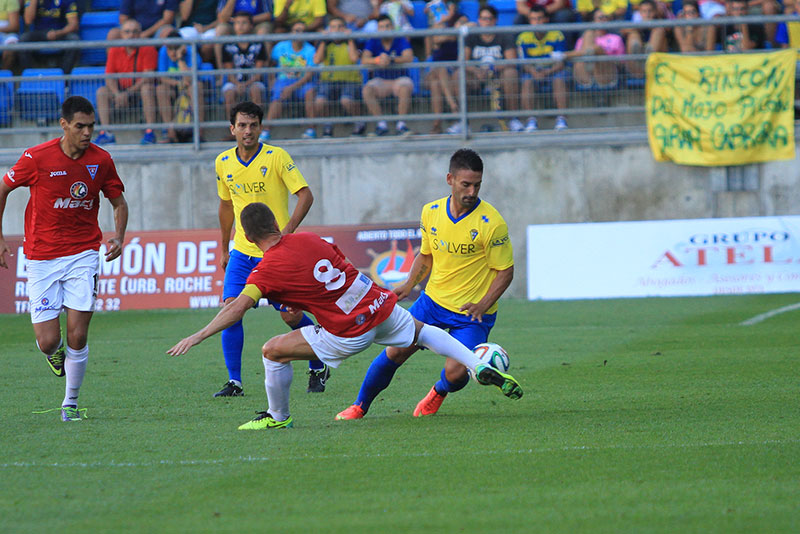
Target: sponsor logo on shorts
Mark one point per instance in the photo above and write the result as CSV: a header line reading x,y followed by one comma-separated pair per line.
x,y
317,328
45,306
58,173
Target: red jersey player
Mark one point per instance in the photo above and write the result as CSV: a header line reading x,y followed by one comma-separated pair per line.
x,y
62,238
305,272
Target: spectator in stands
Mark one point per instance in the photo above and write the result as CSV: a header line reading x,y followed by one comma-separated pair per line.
x,y
243,56
294,55
739,37
442,81
9,29
310,12
260,14
767,7
558,11
788,33
174,93
357,14
597,75
385,79
539,76
398,10
156,17
122,93
441,14
615,9
50,20
693,38
341,85
489,48
199,21
644,40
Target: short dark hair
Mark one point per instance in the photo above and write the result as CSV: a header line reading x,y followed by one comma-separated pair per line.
x,y
247,108
75,104
651,3
490,9
536,8
465,158
385,17
258,221
243,14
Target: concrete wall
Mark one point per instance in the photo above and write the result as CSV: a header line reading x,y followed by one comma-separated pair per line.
x,y
572,180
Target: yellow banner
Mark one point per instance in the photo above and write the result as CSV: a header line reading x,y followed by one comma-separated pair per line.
x,y
726,109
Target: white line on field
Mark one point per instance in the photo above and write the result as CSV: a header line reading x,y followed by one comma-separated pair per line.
x,y
764,316
422,454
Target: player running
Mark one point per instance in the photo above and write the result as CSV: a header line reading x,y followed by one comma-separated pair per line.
x,y
255,172
305,272
466,250
62,238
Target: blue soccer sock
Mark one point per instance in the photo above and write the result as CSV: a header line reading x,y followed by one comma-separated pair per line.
x,y
232,343
379,375
314,365
444,386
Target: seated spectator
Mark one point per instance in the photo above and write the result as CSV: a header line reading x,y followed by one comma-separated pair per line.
x,y
199,21
767,7
174,94
357,14
558,11
711,8
123,93
341,85
260,15
597,75
9,29
50,20
384,79
243,56
487,48
693,38
443,81
739,37
440,15
156,17
397,10
644,40
310,12
293,55
543,77
787,34
615,9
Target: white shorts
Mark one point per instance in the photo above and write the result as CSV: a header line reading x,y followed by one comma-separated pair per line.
x,y
396,331
69,282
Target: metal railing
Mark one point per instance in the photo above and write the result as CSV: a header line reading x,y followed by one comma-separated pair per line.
x,y
473,105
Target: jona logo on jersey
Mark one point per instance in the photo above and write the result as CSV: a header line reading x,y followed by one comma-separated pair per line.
x,y
390,269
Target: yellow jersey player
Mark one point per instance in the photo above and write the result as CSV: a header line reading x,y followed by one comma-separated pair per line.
x,y
255,172
468,255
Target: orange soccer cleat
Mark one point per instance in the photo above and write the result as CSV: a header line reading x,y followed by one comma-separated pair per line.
x,y
352,412
430,404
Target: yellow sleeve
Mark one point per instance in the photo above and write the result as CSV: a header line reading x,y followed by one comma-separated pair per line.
x,y
277,7
499,253
252,291
320,9
425,245
290,174
222,189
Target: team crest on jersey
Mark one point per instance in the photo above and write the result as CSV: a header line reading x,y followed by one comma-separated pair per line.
x,y
92,170
263,170
473,234
78,190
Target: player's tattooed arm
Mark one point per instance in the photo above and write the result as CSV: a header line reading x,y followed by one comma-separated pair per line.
x,y
420,270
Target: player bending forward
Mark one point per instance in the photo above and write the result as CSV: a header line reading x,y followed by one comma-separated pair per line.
x,y
305,272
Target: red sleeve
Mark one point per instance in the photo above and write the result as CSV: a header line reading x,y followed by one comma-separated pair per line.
x,y
112,185
338,252
111,61
149,58
23,173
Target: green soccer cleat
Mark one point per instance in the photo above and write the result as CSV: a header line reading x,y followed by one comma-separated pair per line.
x,y
488,375
56,361
264,421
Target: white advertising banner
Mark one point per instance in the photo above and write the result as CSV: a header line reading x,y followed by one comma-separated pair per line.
x,y
664,258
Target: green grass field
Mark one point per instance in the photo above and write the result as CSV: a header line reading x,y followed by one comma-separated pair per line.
x,y
650,415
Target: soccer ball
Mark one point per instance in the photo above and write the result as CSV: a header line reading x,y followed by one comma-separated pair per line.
x,y
494,355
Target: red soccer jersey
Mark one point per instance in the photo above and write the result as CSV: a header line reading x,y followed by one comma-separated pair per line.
x,y
305,272
61,216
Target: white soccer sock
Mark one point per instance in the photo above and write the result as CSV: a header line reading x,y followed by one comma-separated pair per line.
x,y
443,343
75,367
278,379
60,342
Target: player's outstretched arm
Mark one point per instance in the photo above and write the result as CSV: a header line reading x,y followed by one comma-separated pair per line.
x,y
227,316
420,270
120,225
304,200
4,249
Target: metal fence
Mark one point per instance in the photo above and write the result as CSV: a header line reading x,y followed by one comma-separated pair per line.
x,y
30,104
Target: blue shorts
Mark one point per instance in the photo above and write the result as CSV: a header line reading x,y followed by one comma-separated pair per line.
x,y
236,273
546,85
339,90
469,333
300,92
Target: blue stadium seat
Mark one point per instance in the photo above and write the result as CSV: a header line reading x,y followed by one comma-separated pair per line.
x,y
106,5
506,11
94,27
87,87
470,8
40,100
6,98
419,20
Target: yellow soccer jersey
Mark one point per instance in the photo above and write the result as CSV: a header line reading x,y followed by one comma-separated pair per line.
x,y
268,177
336,54
466,252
